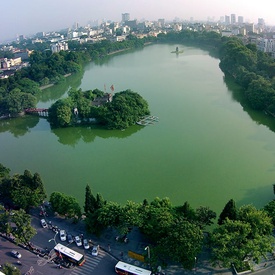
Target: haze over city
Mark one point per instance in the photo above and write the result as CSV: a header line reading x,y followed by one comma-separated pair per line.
x,y
29,17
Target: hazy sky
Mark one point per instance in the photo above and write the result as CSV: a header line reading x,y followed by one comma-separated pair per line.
x,y
32,16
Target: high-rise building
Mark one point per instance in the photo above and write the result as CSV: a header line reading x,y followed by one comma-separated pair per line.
x,y
125,17
261,22
233,19
240,19
227,19
161,22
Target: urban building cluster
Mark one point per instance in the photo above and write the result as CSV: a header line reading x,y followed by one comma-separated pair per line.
x,y
228,25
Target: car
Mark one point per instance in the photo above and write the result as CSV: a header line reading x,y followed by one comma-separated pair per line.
x,y
15,254
62,235
95,250
78,241
43,223
70,238
86,244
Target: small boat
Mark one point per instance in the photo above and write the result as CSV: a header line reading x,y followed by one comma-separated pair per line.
x,y
177,50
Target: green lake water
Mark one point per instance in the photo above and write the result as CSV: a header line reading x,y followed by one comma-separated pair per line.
x,y
206,148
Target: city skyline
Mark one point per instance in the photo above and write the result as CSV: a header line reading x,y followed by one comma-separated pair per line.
x,y
29,17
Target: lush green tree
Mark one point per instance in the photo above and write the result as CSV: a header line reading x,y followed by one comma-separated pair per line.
x,y
10,269
24,191
182,243
110,215
247,238
4,171
186,211
23,232
90,200
260,222
61,112
204,216
229,211
157,218
260,93
270,209
65,205
16,101
4,220
126,109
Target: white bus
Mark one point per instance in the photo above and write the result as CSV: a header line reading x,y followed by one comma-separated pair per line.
x,y
122,268
69,254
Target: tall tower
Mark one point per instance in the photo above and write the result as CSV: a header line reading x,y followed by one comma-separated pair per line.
x,y
125,17
233,19
227,20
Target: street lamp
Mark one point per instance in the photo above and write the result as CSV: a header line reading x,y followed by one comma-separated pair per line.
x,y
148,249
53,239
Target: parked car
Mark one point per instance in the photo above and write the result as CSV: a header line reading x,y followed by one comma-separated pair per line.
x,y
15,254
86,244
78,241
43,223
95,250
62,235
70,238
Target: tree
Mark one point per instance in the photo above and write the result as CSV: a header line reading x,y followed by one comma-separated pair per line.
x,y
10,269
4,171
157,218
270,209
23,191
247,238
23,232
186,212
204,216
90,201
60,113
229,211
65,205
182,243
4,220
126,108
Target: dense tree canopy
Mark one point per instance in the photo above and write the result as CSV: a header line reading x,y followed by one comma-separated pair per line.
x,y
124,110
22,191
246,238
65,205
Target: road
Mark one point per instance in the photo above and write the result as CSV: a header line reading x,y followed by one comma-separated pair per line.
x,y
45,238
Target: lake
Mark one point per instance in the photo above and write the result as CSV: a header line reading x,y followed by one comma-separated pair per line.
x,y
206,148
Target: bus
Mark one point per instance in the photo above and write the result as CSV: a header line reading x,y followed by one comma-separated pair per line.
x,y
122,268
69,254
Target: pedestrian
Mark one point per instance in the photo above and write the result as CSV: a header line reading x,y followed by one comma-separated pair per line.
x,y
109,247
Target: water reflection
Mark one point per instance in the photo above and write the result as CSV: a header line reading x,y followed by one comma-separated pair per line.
x,y
18,126
57,91
71,136
237,95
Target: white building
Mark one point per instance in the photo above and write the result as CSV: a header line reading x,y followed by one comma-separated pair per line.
x,y
61,46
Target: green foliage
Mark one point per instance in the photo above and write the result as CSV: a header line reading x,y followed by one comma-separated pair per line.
x,y
270,209
16,101
90,201
24,191
61,113
23,232
4,220
229,211
10,269
4,171
126,108
247,238
204,216
182,244
65,205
